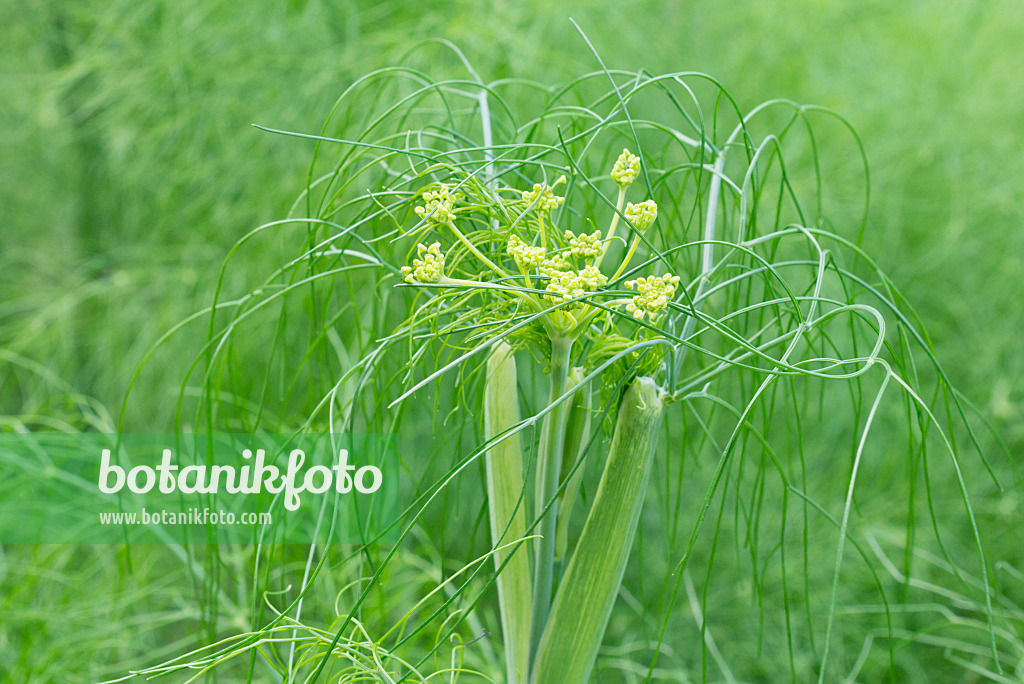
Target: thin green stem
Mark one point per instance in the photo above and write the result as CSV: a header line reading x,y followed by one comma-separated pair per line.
x,y
627,259
707,252
525,296
476,252
619,203
548,471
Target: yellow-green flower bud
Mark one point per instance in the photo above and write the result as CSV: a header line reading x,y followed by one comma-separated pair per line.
x,y
546,200
626,169
526,256
642,215
653,296
562,287
591,278
583,245
566,285
429,268
437,207
554,266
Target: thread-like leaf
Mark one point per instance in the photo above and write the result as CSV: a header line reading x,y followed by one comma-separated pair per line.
x,y
583,604
504,465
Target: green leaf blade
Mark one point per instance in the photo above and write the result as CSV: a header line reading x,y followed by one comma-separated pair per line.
x,y
506,507
570,642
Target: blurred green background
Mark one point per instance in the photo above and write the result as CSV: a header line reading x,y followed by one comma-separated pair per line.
x,y
128,168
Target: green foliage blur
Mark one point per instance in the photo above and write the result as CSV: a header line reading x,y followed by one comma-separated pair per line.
x,y
130,166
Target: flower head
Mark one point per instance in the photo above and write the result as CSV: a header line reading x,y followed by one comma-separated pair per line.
x,y
546,200
653,295
526,256
642,215
591,278
437,207
566,285
583,245
554,266
626,169
429,268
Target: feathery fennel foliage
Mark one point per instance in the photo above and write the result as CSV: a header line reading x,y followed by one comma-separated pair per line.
x,y
438,227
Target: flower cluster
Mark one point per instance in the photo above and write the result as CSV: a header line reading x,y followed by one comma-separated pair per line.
x,y
429,268
437,206
592,277
546,200
626,169
583,245
566,265
566,285
654,295
642,215
554,266
526,256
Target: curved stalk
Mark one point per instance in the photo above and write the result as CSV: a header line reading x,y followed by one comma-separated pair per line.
x,y
708,252
619,203
627,258
476,252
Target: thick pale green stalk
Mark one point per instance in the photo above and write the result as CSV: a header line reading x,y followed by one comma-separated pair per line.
x,y
615,224
507,508
549,465
587,592
577,431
